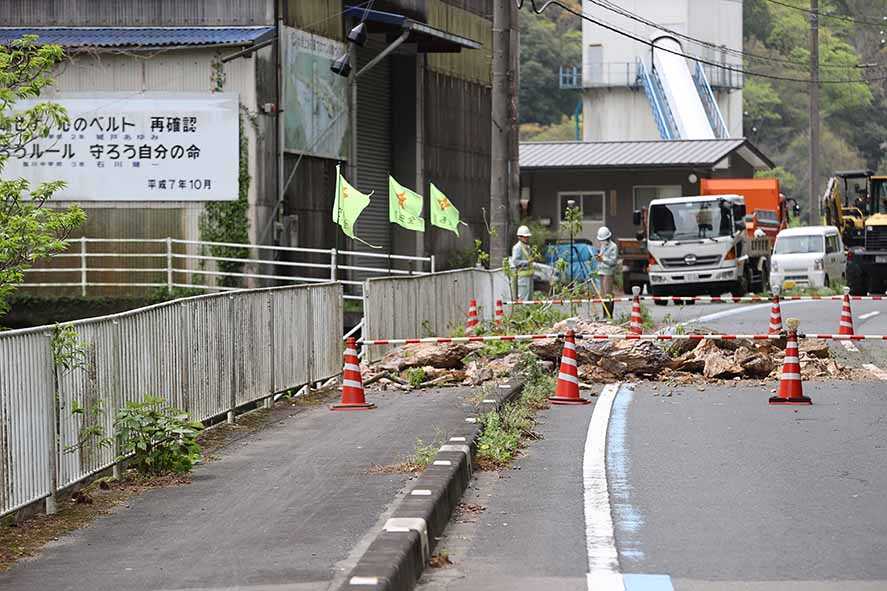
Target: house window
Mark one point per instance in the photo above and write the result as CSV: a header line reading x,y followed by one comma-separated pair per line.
x,y
644,194
591,205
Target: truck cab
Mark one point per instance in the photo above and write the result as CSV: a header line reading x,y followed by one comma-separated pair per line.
x,y
700,245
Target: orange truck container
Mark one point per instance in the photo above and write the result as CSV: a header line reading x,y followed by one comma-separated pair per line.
x,y
763,201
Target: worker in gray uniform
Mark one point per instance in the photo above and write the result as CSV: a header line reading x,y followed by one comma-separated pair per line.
x,y
607,257
522,263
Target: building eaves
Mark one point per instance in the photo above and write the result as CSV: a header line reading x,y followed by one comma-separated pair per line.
x,y
139,37
634,154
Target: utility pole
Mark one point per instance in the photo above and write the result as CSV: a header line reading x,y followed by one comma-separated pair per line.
x,y
813,207
499,147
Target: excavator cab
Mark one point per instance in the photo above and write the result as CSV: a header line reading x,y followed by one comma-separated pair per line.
x,y
848,202
860,200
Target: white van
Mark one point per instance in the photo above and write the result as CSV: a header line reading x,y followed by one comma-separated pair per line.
x,y
808,257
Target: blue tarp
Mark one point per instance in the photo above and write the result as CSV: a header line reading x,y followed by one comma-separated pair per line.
x,y
584,263
138,36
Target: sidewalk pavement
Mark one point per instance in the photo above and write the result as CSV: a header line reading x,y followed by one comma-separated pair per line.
x,y
281,509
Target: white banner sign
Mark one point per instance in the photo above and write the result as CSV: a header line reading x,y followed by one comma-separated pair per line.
x,y
120,146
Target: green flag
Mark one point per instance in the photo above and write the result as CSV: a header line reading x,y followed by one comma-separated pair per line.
x,y
404,207
443,213
347,206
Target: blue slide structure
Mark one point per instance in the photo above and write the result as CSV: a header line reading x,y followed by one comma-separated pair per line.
x,y
682,102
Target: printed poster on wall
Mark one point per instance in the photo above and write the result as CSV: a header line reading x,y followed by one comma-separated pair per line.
x,y
150,146
316,100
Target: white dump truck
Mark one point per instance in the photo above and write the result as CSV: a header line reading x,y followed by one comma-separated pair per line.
x,y
704,246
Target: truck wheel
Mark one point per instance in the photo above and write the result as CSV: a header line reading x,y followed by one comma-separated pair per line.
x,y
765,278
658,293
855,280
740,288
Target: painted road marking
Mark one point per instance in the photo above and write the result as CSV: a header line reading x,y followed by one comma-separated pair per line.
x,y
849,346
868,315
876,371
603,558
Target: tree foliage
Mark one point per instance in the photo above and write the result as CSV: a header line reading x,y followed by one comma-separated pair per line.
x,y
548,41
29,229
776,111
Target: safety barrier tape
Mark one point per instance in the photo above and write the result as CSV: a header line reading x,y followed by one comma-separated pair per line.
x,y
696,299
624,337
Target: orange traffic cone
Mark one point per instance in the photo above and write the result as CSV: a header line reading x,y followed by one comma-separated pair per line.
x,y
567,389
500,313
635,326
352,384
846,324
775,316
791,391
472,314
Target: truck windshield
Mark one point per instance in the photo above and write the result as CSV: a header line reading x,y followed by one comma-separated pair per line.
x,y
685,221
799,245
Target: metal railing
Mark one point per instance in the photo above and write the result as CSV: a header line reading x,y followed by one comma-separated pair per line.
x,y
712,110
628,75
411,307
169,263
662,114
207,355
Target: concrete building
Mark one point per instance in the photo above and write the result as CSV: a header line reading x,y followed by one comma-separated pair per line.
x,y
421,113
609,180
616,105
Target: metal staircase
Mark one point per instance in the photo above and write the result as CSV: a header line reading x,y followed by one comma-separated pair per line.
x,y
715,117
662,115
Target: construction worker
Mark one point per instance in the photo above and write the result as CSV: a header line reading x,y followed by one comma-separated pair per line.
x,y
607,257
522,262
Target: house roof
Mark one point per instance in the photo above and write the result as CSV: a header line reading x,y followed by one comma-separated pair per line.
x,y
639,154
139,36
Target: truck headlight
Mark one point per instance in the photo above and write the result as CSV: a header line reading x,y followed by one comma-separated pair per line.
x,y
817,265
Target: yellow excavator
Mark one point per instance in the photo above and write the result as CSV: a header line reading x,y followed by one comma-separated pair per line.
x,y
855,201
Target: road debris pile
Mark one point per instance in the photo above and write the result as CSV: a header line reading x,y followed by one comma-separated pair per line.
x,y
682,361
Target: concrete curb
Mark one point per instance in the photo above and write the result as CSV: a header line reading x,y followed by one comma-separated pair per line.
x,y
397,556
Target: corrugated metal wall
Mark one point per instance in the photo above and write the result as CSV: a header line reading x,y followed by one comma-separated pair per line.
x,y
321,17
374,146
457,153
135,13
469,64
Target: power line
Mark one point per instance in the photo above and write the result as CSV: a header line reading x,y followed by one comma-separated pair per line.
x,y
605,4
840,17
650,44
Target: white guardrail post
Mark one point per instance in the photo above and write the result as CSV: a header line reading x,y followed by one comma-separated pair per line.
x,y
83,266
168,265
52,429
432,264
333,265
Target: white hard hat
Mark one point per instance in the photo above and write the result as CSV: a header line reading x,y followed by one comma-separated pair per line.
x,y
524,231
604,233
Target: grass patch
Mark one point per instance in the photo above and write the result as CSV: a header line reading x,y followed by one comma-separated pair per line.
x,y
504,431
421,457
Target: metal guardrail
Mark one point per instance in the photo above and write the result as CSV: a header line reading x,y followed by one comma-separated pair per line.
x,y
412,307
169,263
207,355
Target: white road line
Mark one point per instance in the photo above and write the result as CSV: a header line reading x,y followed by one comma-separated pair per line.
x,y
603,558
849,346
868,315
876,371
